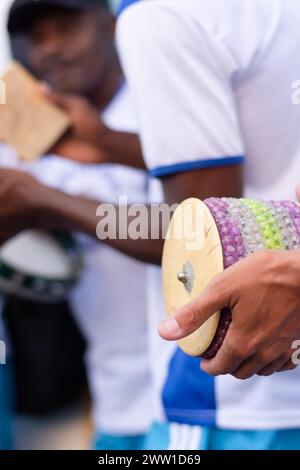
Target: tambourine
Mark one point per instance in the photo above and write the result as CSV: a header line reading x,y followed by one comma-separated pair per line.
x,y
40,266
204,238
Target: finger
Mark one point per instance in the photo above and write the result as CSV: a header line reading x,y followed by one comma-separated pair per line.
x,y
248,368
228,359
275,366
257,363
288,365
190,317
263,364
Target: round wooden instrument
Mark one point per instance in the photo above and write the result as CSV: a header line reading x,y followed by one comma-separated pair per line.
x,y
204,238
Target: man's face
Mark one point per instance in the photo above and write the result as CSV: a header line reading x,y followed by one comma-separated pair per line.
x,y
70,49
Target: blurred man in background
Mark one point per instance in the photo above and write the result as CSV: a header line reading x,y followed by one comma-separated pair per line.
x,y
69,44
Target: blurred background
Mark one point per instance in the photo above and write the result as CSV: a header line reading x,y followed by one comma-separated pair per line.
x,y
4,50
71,427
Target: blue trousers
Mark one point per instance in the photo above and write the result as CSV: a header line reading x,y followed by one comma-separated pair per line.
x,y
174,436
110,442
6,407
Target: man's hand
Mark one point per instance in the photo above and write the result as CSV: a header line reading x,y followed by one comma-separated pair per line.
x,y
263,292
85,141
21,197
90,140
78,150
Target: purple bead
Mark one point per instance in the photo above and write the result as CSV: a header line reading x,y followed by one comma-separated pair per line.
x,y
230,260
236,230
294,213
231,239
240,249
228,223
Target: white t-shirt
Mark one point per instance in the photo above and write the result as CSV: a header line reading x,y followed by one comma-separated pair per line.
x,y
212,83
109,303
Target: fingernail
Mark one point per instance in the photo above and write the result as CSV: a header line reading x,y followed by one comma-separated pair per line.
x,y
170,327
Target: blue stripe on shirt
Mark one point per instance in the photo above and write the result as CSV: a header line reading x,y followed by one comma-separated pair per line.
x,y
124,4
167,170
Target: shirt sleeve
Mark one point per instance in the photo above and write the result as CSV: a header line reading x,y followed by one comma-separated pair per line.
x,y
180,76
125,4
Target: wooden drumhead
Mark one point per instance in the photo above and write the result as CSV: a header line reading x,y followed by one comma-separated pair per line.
x,y
192,258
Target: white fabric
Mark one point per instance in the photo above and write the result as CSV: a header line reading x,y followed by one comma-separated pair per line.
x,y
195,57
212,79
5,50
110,301
224,87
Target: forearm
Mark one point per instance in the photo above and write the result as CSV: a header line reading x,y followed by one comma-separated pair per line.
x,y
123,148
202,184
60,211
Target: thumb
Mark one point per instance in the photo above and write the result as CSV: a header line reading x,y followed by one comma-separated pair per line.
x,y
191,316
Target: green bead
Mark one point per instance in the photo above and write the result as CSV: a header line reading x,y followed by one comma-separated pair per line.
x,y
268,225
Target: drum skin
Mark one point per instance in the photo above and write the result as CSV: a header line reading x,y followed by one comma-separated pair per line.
x,y
40,266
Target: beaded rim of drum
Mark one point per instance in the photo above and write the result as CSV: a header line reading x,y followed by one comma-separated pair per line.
x,y
246,226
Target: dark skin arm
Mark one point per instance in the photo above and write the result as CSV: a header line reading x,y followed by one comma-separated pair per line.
x,y
90,140
25,203
121,146
216,182
110,147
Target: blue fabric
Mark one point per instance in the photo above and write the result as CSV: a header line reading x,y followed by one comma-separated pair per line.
x,y
254,440
219,439
124,4
6,440
110,442
203,164
189,393
158,438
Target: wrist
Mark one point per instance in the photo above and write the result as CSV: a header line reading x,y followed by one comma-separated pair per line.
x,y
99,138
106,142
